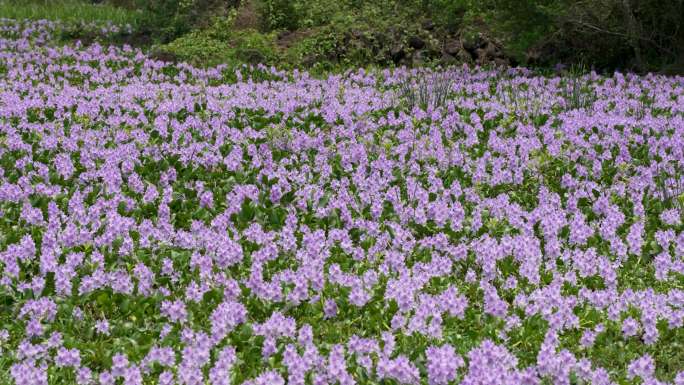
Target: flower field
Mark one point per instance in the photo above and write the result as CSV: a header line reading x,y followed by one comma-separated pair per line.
x,y
164,224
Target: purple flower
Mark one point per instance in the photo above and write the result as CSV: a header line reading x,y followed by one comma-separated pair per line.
x,y
102,327
642,367
442,363
68,357
630,327
225,318
174,310
84,376
330,308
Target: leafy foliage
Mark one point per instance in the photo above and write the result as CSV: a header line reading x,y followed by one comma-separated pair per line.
x,y
169,19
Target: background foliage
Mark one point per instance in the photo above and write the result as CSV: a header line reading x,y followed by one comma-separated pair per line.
x,y
628,35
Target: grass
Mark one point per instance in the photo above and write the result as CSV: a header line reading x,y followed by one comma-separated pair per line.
x,y
67,11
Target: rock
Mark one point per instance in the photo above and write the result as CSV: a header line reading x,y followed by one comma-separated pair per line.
x,y
452,47
397,53
309,60
416,42
533,55
428,25
283,35
488,53
481,56
164,56
491,51
418,58
473,42
447,59
501,62
464,56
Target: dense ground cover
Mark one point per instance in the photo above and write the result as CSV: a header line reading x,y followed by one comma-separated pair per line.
x,y
167,224
67,11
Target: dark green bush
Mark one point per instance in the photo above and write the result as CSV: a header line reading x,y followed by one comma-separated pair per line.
x,y
278,15
198,49
349,42
649,32
209,47
169,19
610,34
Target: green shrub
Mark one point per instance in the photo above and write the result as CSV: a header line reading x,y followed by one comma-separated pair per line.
x,y
253,47
198,49
222,27
348,44
316,13
443,13
204,48
321,46
169,19
278,15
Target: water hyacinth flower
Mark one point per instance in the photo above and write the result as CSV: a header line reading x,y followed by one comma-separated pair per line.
x,y
642,367
330,308
102,327
174,310
68,357
630,327
84,376
442,363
